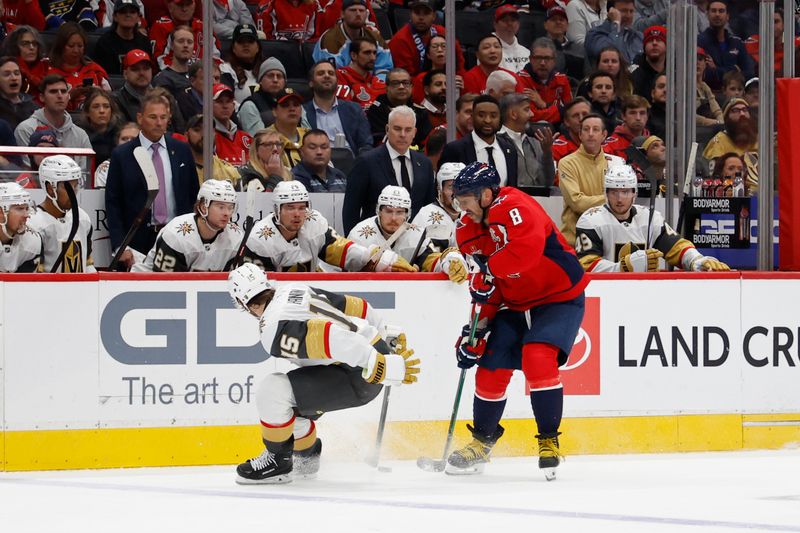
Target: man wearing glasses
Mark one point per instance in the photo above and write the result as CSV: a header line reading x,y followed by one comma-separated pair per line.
x,y
548,89
398,92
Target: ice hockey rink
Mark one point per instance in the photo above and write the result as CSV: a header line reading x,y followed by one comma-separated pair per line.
x,y
704,492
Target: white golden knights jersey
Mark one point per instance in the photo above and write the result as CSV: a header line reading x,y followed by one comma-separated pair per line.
x,y
315,327
434,214
367,233
180,248
316,242
600,236
54,233
22,254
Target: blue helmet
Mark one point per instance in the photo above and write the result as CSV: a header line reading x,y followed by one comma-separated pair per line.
x,y
474,177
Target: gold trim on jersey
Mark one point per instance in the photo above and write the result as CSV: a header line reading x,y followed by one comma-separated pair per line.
x,y
355,306
315,339
336,251
588,260
430,261
673,257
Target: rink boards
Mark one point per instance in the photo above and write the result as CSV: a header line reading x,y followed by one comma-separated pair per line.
x,y
110,370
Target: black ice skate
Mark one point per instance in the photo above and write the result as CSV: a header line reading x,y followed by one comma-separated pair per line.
x,y
306,462
268,468
472,458
549,454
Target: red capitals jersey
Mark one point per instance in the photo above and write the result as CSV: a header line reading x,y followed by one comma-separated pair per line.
x,y
619,141
280,20
556,92
162,44
235,151
361,90
530,260
563,145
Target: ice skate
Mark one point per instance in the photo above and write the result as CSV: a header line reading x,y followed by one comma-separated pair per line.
x,y
266,469
306,462
472,458
549,454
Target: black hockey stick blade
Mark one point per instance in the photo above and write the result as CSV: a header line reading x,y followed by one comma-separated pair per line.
x,y
151,179
73,199
252,189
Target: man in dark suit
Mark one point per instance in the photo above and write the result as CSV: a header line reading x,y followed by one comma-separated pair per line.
x,y
332,115
390,164
483,144
126,189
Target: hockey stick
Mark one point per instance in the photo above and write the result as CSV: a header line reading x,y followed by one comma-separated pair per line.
x,y
252,189
436,232
429,464
389,242
73,230
374,458
151,179
653,185
687,180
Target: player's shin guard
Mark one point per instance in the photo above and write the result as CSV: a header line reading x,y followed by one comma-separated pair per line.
x,y
307,449
540,364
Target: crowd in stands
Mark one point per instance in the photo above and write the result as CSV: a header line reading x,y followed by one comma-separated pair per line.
x,y
548,91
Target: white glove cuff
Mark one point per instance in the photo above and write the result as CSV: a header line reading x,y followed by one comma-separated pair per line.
x,y
690,259
394,371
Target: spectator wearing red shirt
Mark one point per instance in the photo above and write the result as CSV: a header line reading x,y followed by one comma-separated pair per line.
x,y
25,44
68,58
180,14
18,12
634,119
408,45
288,20
490,55
751,43
567,140
548,90
357,81
232,144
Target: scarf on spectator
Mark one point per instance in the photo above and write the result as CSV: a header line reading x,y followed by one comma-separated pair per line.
x,y
419,44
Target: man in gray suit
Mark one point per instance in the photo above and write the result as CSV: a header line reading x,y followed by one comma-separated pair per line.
x,y
392,163
534,152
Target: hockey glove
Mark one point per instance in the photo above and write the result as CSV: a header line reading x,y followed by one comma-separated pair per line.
x,y
641,261
482,262
468,354
454,266
395,338
390,261
709,264
391,369
481,287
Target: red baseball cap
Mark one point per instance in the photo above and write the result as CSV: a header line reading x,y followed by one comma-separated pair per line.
x,y
220,89
134,57
557,11
505,9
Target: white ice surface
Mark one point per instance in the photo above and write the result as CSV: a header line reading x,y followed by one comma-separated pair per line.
x,y
708,492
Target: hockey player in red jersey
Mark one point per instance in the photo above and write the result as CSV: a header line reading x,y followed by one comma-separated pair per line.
x,y
530,285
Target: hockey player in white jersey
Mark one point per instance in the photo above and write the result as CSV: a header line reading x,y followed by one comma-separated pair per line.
x,y
53,218
342,348
20,247
203,241
389,228
297,238
622,237
441,211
